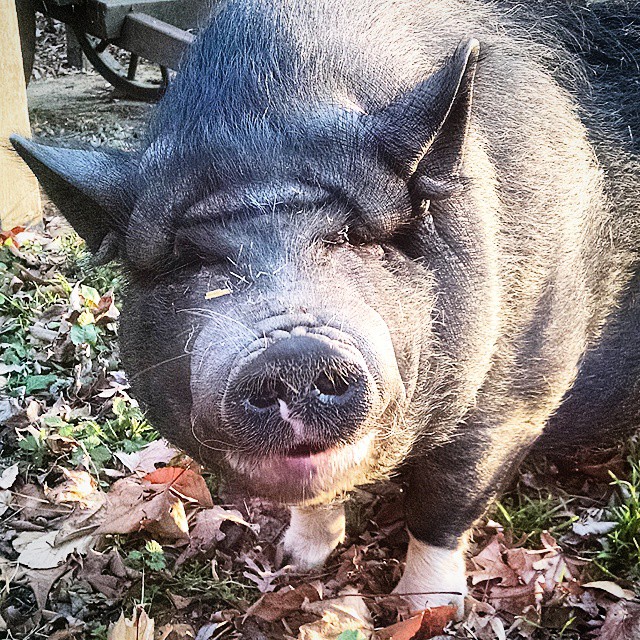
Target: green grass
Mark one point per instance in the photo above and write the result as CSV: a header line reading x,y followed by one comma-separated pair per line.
x,y
527,516
195,579
621,554
199,579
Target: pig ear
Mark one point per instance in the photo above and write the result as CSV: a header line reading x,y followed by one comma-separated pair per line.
x,y
91,189
423,132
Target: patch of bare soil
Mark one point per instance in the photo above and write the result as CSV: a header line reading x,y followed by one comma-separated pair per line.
x,y
81,108
77,106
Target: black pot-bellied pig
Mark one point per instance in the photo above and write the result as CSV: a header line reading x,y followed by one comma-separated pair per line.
x,y
362,234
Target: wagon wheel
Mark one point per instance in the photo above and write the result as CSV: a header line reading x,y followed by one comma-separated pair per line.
x,y
27,28
121,76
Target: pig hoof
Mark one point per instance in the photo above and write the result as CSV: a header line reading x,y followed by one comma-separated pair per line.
x,y
313,534
433,576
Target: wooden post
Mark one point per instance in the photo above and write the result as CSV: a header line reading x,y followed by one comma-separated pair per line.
x,y
19,191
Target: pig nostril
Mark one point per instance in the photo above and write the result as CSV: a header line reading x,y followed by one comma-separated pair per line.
x,y
263,399
331,386
268,394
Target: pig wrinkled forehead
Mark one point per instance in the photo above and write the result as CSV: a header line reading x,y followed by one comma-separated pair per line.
x,y
254,164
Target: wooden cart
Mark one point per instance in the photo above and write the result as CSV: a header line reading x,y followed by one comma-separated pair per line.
x,y
116,35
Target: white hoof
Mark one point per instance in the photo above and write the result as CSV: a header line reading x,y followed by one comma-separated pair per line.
x,y
313,534
433,576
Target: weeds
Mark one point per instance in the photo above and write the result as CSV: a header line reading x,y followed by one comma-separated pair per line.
x,y
151,557
621,553
78,440
527,517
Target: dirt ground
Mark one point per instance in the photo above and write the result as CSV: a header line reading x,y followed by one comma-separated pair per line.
x,y
76,106
81,108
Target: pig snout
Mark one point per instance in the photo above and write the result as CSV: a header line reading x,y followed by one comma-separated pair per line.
x,y
302,394
300,407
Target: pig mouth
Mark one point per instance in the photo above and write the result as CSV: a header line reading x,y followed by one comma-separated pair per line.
x,y
304,475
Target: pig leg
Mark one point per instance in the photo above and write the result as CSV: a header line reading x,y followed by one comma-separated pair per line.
x,y
433,576
447,491
313,534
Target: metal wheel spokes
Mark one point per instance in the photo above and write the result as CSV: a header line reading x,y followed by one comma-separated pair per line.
x,y
133,66
101,46
136,80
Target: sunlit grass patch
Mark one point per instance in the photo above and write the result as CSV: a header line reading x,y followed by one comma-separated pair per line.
x,y
199,580
621,554
526,517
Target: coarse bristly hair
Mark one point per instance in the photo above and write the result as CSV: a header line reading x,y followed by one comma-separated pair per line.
x,y
453,185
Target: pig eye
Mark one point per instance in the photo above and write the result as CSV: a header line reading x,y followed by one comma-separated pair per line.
x,y
185,250
351,236
196,245
339,237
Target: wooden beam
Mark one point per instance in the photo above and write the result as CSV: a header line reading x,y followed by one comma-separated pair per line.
x,y
19,190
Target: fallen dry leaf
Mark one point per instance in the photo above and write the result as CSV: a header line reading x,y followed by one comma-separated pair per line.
x,y
79,487
346,613
6,497
403,630
131,507
41,580
421,626
106,573
528,578
522,561
106,310
611,588
140,627
622,622
179,602
554,570
483,622
122,510
9,476
145,461
592,523
31,503
205,532
184,482
61,444
603,470
170,520
263,576
279,604
175,632
39,550
491,565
